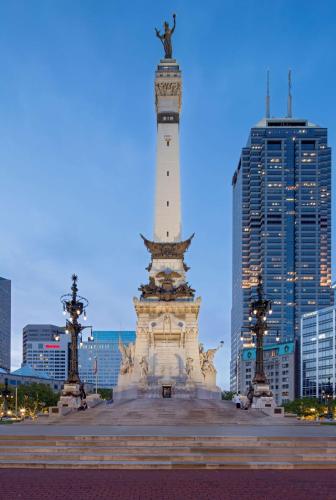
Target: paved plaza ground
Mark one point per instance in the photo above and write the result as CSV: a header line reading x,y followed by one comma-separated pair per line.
x,y
252,430
26,484
168,451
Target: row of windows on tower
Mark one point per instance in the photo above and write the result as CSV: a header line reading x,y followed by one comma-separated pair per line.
x,y
307,145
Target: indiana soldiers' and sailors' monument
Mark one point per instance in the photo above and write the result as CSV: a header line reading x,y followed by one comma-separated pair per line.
x,y
167,359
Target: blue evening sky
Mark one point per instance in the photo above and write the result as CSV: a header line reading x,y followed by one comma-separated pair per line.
x,y
77,141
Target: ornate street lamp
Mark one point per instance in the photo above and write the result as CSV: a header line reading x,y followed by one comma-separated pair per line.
x,y
259,310
75,306
259,393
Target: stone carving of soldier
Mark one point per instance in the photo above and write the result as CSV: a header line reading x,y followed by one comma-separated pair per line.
x,y
143,367
166,38
189,367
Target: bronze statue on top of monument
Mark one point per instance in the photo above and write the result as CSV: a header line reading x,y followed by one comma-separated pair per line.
x,y
166,38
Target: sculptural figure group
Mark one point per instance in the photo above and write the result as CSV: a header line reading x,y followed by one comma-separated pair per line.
x,y
128,355
207,360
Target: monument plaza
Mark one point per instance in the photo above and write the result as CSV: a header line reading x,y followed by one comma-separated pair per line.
x,y
167,410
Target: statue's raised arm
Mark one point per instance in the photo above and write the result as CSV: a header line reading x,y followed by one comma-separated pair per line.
x,y
173,28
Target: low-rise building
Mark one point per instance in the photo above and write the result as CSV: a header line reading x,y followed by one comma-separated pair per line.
x,y
27,375
279,366
318,351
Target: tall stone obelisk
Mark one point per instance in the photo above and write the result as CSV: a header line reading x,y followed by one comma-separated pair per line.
x,y
168,96
167,359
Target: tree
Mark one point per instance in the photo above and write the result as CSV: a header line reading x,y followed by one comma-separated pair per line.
x,y
304,407
32,397
105,393
227,395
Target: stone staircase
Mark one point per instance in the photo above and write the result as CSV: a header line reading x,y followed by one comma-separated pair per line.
x,y
163,412
159,452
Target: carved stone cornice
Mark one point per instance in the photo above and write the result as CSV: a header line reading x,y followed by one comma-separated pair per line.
x,y
168,88
167,250
171,87
161,307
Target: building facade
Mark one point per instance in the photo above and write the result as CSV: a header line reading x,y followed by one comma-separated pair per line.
x,y
99,360
281,227
27,375
279,361
318,351
46,349
5,324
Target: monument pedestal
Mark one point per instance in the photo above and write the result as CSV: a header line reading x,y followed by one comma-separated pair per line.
x,y
167,360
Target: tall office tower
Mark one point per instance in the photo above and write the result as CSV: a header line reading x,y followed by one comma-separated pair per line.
x,y
5,323
281,226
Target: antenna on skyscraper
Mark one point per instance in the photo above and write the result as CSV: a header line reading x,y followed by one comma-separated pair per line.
x,y
268,99
289,99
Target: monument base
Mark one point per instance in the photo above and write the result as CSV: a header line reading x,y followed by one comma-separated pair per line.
x,y
167,389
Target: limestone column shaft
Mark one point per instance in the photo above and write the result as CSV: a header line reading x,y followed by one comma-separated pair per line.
x,y
168,93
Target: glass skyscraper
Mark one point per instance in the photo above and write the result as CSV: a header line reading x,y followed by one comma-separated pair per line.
x,y
5,324
281,226
318,352
101,358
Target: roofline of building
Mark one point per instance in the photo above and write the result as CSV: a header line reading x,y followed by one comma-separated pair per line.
x,y
285,122
323,309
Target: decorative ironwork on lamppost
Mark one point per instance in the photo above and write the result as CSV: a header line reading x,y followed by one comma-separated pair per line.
x,y
75,306
259,310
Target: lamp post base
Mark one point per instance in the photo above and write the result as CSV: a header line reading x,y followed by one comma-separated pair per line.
x,y
71,398
263,400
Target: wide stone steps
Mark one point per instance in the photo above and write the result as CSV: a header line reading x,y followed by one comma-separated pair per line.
x,y
25,451
162,412
165,457
136,452
156,464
